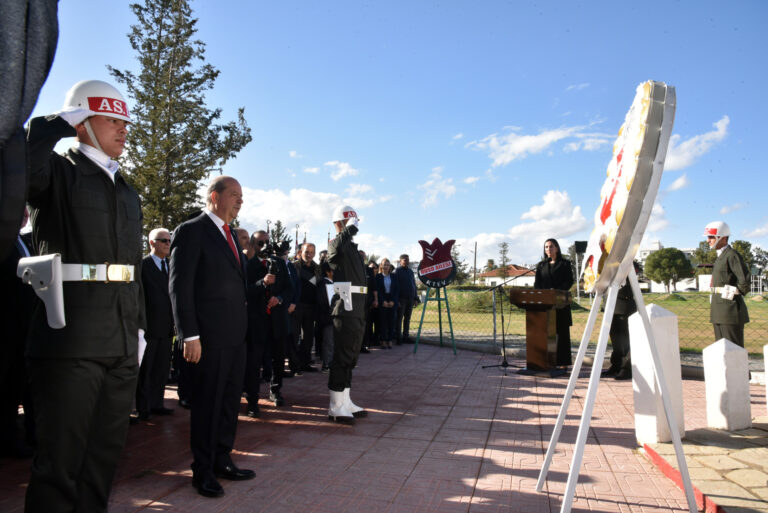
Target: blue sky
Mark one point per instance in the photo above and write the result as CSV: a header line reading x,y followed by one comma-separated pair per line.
x,y
477,121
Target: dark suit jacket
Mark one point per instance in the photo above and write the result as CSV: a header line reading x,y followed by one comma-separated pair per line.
x,y
258,293
158,300
558,276
207,285
394,289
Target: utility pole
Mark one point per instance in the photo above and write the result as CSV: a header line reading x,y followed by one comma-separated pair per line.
x,y
474,267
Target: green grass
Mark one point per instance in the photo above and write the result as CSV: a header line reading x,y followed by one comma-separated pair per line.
x,y
471,315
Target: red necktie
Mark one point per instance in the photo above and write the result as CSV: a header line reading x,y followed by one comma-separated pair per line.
x,y
231,242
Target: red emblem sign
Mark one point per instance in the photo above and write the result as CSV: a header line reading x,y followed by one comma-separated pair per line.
x,y
436,268
107,105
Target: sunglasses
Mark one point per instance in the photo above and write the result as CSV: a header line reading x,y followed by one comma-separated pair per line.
x,y
260,242
163,240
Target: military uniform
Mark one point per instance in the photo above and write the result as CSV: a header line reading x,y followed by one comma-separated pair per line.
x,y
348,326
728,316
82,376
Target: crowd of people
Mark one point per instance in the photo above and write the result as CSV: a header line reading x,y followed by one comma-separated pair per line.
x,y
220,309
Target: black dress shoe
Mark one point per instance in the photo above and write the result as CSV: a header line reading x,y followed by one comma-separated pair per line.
x,y
162,411
233,473
207,486
364,350
342,420
623,375
133,420
309,368
144,416
277,398
607,373
185,404
253,411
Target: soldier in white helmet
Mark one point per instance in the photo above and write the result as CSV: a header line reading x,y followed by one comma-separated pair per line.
x,y
730,281
83,375
348,314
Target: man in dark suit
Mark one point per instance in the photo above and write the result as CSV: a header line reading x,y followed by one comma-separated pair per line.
x,y
730,281
16,304
208,295
258,279
153,372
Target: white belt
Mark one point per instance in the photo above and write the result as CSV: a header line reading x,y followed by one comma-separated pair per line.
x,y
97,272
720,290
355,289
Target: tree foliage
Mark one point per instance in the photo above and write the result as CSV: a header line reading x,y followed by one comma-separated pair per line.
x,y
490,265
278,233
175,141
760,259
503,256
744,249
668,266
703,255
462,268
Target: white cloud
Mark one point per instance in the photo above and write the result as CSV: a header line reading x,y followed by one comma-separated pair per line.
x,y
556,217
577,87
342,169
589,142
312,170
732,208
658,220
503,149
437,186
379,245
680,183
294,154
760,231
458,136
471,179
358,188
683,154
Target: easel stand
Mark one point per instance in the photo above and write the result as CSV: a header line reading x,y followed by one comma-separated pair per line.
x,y
594,380
439,300
504,363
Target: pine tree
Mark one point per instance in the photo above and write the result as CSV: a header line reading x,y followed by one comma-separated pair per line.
x,y
503,256
175,141
462,274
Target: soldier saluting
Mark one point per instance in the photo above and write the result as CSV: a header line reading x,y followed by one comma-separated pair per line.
x,y
83,375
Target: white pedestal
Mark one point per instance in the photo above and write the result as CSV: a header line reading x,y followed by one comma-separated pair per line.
x,y
765,361
650,421
726,373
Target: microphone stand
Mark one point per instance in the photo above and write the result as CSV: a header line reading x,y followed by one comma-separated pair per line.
x,y
504,363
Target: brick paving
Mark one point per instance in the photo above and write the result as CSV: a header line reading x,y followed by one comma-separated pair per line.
x,y
443,435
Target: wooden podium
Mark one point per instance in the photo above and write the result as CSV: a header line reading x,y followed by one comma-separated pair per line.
x,y
540,325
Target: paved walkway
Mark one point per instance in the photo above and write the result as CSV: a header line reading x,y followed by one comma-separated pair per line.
x,y
443,435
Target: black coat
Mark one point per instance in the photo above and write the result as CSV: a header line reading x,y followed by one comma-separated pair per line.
x,y
556,276
78,212
207,285
258,293
157,299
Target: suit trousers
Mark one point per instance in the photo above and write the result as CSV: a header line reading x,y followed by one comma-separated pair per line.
x,y
732,332
347,339
304,332
620,356
404,310
181,371
217,384
153,374
81,407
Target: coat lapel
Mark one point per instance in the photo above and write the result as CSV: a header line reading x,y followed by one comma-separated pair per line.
x,y
220,242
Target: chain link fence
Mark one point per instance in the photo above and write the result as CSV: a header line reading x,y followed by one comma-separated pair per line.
x,y
476,319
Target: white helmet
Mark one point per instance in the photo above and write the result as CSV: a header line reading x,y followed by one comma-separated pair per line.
x,y
717,229
101,98
342,213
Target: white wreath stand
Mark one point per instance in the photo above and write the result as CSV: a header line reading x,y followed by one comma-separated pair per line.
x,y
594,380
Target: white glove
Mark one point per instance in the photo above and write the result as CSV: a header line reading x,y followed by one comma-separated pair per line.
x,y
75,116
729,291
354,221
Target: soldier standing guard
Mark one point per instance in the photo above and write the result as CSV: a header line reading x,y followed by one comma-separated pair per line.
x,y
348,313
730,281
83,375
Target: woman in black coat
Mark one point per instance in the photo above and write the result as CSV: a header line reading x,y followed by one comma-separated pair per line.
x,y
554,272
385,299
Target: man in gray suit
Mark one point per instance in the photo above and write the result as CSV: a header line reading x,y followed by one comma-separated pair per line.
x,y
730,281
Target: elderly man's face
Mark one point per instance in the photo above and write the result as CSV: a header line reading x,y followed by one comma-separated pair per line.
x,y
227,203
161,244
242,237
307,253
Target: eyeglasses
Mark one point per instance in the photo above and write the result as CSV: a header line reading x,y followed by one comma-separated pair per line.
x,y
260,242
167,241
